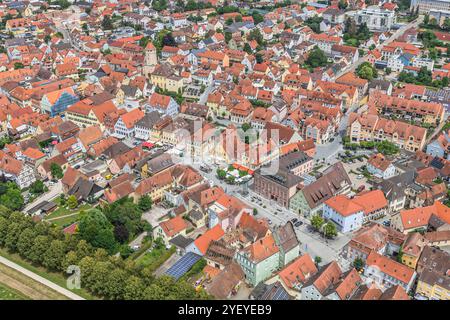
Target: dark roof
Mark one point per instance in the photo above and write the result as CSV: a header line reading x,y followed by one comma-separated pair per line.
x,y
293,159
83,188
149,120
181,241
285,237
326,186
44,206
116,149
274,291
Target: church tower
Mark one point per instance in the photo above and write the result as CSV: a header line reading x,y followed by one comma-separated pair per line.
x,y
150,59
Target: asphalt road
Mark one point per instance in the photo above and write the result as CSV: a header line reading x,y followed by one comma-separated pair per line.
x,y
40,279
393,37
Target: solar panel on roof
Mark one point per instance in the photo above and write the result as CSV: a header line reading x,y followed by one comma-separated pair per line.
x,y
183,265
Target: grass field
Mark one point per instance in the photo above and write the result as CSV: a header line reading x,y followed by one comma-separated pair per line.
x,y
15,284
7,293
64,217
57,278
65,221
62,211
155,258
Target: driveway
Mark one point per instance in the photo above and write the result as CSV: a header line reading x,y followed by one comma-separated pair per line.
x,y
167,264
54,192
154,215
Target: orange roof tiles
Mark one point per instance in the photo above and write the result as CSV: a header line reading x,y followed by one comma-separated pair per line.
x,y
390,267
419,217
202,242
173,226
343,205
262,249
298,272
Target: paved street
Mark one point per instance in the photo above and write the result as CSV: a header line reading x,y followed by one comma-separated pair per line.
x,y
392,38
40,279
312,242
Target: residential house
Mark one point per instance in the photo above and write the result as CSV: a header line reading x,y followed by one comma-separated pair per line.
x,y
387,272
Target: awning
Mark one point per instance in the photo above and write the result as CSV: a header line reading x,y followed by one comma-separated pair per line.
x,y
148,145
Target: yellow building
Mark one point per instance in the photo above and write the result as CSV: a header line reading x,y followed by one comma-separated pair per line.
x,y
85,115
18,26
433,285
165,77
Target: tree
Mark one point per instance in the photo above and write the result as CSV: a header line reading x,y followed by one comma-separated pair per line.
x,y
247,48
144,41
366,71
259,58
12,199
330,230
107,23
317,222
72,202
159,5
18,65
350,27
145,203
231,179
121,233
134,289
169,40
229,21
25,239
95,228
387,148
314,23
358,263
256,35
245,126
221,174
227,36
47,38
257,18
54,256
342,4
56,171
37,187
125,212
316,58
38,249
317,260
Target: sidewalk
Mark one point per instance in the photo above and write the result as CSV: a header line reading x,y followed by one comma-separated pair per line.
x,y
40,279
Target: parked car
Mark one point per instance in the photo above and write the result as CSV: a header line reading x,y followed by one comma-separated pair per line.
x,y
359,176
361,188
294,220
298,224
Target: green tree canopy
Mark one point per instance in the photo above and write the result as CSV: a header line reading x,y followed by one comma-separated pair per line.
x,y
56,171
316,58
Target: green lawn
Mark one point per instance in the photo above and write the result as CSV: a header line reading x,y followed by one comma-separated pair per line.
x,y
57,278
64,217
62,211
154,259
7,293
65,221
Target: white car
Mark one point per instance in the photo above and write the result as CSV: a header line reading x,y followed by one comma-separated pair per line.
x,y
360,176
